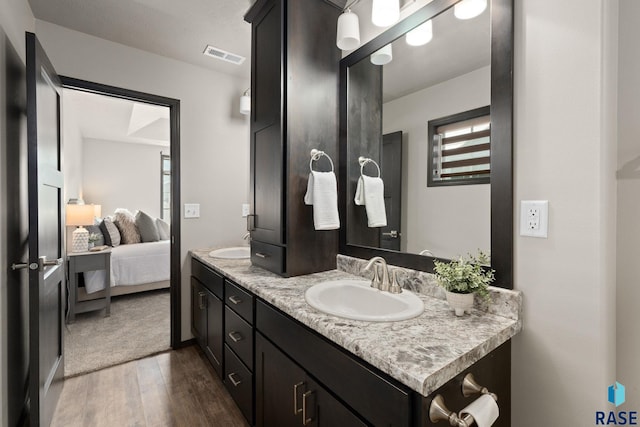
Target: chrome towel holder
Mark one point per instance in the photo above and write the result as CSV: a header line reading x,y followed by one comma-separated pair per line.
x,y
316,155
363,161
438,411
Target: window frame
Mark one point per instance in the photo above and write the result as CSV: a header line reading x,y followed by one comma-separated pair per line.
x,y
432,125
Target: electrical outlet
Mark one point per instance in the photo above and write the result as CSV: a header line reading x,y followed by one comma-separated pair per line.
x,y
534,218
246,208
192,210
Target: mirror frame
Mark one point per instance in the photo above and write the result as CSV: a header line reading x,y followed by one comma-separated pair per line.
x,y
501,140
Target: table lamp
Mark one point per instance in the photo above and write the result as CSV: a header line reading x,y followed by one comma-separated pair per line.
x,y
79,215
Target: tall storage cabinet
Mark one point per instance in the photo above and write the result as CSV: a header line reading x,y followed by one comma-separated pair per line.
x,y
294,96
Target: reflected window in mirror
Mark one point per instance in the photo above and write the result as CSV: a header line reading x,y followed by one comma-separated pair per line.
x,y
460,149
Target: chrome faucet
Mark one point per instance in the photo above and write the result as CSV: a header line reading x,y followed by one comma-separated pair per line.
x,y
385,285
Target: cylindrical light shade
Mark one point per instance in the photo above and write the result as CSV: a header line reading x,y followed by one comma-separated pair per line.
x,y
80,214
468,9
245,104
420,35
382,56
348,32
385,12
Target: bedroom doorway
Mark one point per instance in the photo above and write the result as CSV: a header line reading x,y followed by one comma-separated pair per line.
x,y
126,151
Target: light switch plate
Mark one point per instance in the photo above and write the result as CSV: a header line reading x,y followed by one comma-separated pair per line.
x,y
534,218
246,210
192,210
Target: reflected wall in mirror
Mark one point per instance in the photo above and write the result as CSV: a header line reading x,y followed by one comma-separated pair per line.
x,y
391,91
394,94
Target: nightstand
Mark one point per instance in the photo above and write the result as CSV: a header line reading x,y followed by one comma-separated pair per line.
x,y
80,262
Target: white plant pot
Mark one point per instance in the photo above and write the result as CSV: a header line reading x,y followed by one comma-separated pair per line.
x,y
460,302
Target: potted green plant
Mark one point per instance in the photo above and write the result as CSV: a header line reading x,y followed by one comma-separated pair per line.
x,y
93,238
464,277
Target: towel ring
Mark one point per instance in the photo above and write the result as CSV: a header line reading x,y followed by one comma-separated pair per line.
x,y
363,161
315,156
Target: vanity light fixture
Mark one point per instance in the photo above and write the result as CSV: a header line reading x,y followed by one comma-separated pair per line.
x,y
420,35
382,56
348,32
245,102
467,9
385,12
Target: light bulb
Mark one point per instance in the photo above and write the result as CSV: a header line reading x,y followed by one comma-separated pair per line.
x,y
420,35
385,12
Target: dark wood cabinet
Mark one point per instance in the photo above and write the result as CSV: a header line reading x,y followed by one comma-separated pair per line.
x,y
294,87
287,396
207,313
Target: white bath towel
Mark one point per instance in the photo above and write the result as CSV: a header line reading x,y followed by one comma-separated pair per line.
x,y
370,193
322,193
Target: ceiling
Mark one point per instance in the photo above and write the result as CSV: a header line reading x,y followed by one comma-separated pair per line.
x,y
179,29
113,119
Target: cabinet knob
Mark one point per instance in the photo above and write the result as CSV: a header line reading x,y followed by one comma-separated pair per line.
x,y
235,336
233,380
305,420
296,411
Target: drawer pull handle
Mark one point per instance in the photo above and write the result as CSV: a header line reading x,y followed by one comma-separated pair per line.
x,y
261,255
235,382
234,299
202,300
296,411
235,336
305,420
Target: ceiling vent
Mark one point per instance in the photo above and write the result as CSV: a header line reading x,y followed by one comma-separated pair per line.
x,y
214,52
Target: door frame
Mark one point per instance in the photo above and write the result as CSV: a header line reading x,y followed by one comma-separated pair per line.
x,y
174,119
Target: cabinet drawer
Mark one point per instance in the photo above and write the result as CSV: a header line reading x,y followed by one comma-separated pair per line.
x,y
90,262
209,278
269,257
239,300
385,401
239,381
238,335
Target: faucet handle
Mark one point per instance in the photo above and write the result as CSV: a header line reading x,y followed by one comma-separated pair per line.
x,y
375,280
395,287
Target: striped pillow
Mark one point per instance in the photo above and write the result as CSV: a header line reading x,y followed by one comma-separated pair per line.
x,y
110,233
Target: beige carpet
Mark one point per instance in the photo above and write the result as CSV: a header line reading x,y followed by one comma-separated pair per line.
x,y
139,326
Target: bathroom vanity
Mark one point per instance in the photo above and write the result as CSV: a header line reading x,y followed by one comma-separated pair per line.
x,y
287,364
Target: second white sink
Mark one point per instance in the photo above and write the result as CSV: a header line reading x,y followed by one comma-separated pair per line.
x,y
356,299
238,252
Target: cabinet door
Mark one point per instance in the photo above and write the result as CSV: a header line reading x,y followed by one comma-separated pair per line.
x,y
198,312
287,396
267,151
214,337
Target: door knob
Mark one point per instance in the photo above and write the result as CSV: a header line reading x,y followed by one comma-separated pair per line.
x,y
42,263
393,234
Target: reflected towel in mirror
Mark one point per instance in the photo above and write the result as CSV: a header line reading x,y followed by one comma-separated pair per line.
x,y
370,193
322,193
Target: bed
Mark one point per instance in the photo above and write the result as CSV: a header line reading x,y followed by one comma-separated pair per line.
x,y
135,268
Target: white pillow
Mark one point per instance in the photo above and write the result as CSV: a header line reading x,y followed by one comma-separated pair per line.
x,y
164,231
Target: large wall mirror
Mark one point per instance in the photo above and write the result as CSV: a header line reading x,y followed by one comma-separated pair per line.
x,y
427,106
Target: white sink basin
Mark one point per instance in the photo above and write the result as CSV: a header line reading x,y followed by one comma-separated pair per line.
x,y
356,299
238,252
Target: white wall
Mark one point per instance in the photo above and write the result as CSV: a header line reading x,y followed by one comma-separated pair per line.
x,y
563,360
628,243
451,220
214,136
15,19
72,153
122,175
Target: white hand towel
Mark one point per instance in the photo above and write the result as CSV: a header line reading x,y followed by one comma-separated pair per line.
x,y
322,193
370,193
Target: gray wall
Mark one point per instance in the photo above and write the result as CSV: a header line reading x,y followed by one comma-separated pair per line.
x,y
214,136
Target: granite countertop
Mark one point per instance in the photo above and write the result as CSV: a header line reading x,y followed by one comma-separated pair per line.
x,y
423,353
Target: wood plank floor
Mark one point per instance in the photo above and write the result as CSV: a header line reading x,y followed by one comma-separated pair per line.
x,y
177,388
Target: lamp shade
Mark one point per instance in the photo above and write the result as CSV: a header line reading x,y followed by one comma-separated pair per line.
x,y
245,104
468,9
97,211
382,56
420,35
80,214
385,12
348,32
